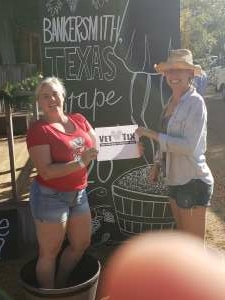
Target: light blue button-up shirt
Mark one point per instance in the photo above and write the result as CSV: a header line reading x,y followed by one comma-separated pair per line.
x,y
185,141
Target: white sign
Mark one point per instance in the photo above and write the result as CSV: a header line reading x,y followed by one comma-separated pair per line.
x,y
119,142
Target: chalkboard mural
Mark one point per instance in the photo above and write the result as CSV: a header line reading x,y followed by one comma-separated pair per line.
x,y
105,50
8,234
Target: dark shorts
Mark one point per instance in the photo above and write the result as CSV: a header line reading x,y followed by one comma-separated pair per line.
x,y
194,193
54,206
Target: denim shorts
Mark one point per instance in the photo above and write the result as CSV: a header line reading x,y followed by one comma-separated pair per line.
x,y
50,205
194,193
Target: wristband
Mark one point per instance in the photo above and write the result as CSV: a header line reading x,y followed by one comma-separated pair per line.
x,y
81,163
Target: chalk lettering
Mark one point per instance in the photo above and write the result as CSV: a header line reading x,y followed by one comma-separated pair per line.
x,y
104,169
83,62
4,231
99,169
80,63
4,227
2,243
78,29
108,57
100,99
55,55
96,63
90,169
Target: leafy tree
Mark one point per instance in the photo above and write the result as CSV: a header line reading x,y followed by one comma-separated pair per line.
x,y
203,27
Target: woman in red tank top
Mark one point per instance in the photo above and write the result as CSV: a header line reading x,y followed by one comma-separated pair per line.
x,y
61,146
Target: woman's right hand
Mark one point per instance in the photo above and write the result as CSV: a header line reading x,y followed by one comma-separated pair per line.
x,y
88,155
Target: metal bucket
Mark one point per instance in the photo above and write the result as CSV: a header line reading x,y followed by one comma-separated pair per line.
x,y
82,282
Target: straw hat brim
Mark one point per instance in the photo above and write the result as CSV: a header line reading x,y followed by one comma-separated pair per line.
x,y
165,66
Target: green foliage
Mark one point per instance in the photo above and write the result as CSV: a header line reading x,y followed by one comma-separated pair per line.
x,y
203,27
21,88
21,93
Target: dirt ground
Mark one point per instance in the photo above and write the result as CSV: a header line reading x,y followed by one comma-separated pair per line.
x,y
215,236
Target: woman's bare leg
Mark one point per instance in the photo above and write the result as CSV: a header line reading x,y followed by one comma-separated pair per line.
x,y
79,235
175,213
50,238
194,220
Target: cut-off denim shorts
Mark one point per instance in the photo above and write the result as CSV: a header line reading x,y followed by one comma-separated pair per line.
x,y
194,193
50,205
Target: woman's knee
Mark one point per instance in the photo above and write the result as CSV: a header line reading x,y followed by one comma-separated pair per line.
x,y
85,243
81,245
79,232
50,251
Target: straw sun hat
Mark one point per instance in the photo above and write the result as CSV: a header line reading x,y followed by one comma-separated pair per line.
x,y
179,59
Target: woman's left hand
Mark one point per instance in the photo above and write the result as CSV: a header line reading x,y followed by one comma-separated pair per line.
x,y
149,133
89,154
140,131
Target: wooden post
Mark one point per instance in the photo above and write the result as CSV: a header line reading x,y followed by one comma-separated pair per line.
x,y
35,111
9,129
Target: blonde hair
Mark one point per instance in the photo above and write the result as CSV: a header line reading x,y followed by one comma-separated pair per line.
x,y
51,81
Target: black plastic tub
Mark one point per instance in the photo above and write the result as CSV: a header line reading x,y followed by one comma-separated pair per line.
x,y
82,284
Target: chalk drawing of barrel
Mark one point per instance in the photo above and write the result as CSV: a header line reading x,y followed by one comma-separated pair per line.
x,y
141,205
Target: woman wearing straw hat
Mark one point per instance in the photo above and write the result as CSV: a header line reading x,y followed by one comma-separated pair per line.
x,y
183,141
